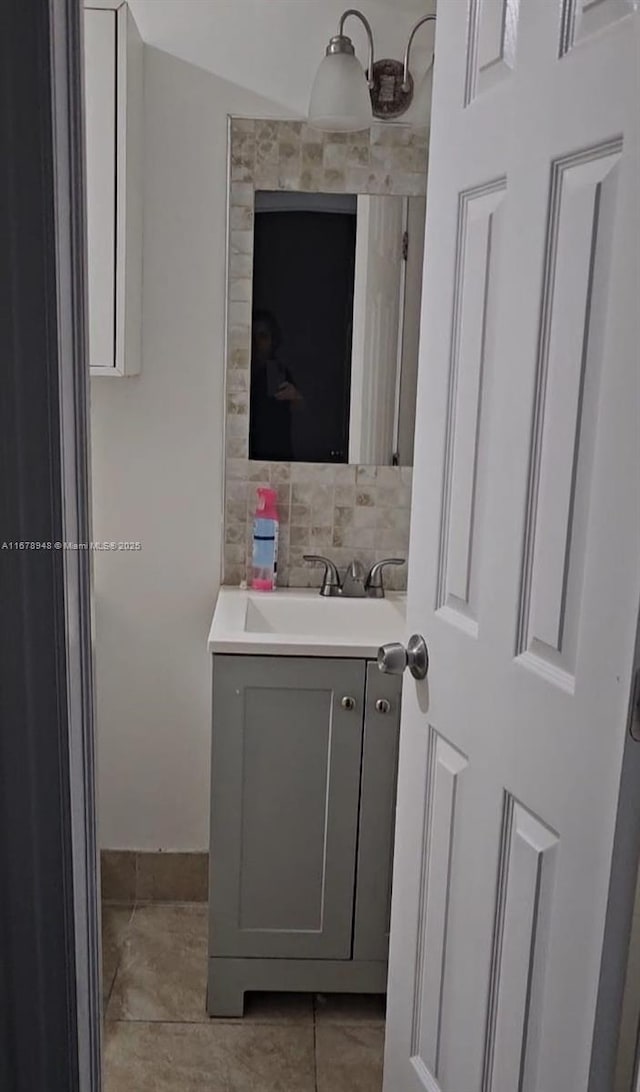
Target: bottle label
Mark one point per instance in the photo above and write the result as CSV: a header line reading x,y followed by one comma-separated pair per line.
x,y
265,552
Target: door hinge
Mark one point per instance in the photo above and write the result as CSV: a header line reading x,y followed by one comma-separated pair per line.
x,y
634,726
405,245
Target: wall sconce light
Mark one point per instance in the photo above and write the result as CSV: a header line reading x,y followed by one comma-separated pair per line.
x,y
344,98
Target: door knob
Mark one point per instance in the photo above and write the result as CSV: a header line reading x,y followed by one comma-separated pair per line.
x,y
348,703
394,658
383,706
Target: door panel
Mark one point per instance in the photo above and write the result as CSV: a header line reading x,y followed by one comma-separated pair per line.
x,y
525,886
477,257
445,764
525,549
492,44
285,780
581,215
582,18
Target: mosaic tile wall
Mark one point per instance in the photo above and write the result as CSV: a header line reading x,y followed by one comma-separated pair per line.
x,y
344,512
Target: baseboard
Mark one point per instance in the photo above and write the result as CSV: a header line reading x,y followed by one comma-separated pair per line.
x,y
230,979
131,876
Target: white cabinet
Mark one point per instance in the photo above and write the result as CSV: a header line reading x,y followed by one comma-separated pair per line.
x,y
113,103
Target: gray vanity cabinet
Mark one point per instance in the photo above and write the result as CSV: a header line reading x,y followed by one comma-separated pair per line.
x,y
303,798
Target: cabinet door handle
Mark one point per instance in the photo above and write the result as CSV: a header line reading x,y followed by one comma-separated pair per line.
x,y
383,706
348,703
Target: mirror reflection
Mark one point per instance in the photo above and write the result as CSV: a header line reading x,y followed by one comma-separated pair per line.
x,y
336,312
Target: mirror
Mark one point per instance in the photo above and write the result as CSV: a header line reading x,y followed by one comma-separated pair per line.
x,y
337,282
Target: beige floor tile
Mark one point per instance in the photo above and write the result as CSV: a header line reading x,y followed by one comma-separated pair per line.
x,y
349,1059
115,924
141,1057
350,1008
163,969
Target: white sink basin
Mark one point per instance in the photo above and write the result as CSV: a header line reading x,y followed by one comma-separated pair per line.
x,y
303,623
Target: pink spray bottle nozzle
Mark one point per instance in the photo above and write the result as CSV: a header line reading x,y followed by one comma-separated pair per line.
x,y
267,503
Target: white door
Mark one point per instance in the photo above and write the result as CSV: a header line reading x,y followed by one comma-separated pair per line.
x,y
525,547
376,319
410,336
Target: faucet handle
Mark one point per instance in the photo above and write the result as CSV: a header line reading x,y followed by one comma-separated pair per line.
x,y
374,583
331,578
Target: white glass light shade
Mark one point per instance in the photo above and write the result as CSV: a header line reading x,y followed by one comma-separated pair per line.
x,y
340,99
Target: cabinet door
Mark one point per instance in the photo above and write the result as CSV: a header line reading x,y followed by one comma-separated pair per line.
x,y
113,66
100,39
285,782
377,815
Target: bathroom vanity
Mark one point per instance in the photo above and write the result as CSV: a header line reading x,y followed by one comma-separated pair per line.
x,y
304,767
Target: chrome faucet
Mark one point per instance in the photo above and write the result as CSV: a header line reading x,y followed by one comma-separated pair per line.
x,y
355,584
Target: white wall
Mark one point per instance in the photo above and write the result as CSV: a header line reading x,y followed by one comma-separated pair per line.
x,y
157,478
273,47
157,438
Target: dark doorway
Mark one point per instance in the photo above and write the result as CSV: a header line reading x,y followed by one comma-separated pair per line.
x,y
303,278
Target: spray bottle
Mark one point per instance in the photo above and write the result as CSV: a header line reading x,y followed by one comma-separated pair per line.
x,y
266,526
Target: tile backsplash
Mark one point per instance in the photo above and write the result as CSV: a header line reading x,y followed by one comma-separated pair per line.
x,y
343,512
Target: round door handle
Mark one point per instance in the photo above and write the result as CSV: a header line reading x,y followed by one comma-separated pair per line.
x,y
383,706
394,658
348,703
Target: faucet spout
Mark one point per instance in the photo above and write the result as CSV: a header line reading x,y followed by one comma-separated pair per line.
x,y
353,585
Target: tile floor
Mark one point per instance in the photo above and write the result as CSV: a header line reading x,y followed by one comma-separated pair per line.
x,y
158,1037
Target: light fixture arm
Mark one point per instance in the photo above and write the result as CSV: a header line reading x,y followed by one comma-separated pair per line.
x,y
390,83
367,27
407,54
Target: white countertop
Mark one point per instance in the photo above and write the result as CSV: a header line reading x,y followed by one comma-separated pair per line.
x,y
297,622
